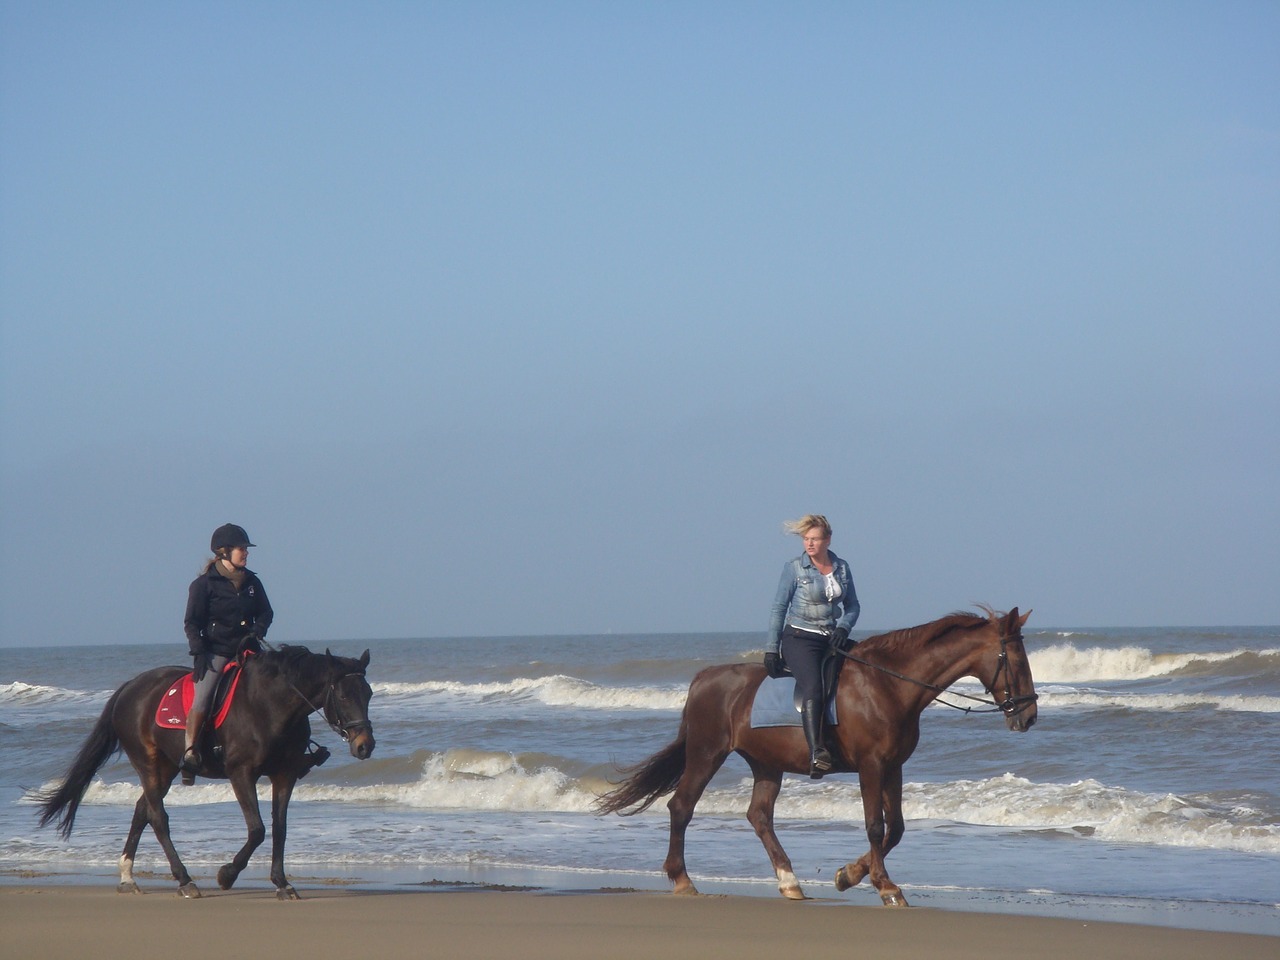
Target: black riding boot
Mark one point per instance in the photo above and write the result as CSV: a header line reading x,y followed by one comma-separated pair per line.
x,y
191,759
819,758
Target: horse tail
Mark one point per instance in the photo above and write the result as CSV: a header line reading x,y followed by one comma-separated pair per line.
x,y
647,781
62,803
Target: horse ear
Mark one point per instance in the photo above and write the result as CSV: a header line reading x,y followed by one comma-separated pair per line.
x,y
1013,614
1022,619
327,653
364,659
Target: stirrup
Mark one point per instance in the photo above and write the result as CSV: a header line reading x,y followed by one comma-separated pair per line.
x,y
318,755
819,763
190,766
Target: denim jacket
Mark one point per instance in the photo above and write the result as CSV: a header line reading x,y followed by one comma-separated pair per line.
x,y
801,600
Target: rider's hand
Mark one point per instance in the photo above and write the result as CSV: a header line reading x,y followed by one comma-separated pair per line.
x,y
201,667
774,666
840,639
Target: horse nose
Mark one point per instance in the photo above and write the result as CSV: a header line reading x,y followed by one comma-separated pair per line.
x,y
362,746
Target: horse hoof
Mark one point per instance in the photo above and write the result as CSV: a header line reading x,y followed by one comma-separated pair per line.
x,y
842,880
190,891
685,889
792,893
894,899
227,877
287,893
128,887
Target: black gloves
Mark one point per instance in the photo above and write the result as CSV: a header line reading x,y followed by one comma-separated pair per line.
x,y
201,666
774,665
840,640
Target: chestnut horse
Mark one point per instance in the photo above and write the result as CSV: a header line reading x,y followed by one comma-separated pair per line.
x,y
266,733
883,688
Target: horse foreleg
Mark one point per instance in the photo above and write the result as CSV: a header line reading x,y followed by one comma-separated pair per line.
x,y
140,819
764,795
697,774
281,791
876,786
246,792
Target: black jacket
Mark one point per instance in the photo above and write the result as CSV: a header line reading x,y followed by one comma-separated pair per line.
x,y
219,617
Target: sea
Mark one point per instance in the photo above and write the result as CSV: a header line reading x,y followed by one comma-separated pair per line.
x,y
1148,791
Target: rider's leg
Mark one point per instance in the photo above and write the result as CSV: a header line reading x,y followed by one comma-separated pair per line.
x,y
804,654
200,703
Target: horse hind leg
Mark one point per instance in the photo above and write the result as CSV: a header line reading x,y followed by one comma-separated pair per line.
x,y
764,796
159,819
697,774
140,819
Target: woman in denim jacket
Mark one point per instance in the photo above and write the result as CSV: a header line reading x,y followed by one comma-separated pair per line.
x,y
814,609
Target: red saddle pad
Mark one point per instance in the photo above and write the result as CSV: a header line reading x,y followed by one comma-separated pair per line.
x,y
176,702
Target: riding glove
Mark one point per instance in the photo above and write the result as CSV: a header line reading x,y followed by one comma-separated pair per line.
x,y
774,665
840,640
201,667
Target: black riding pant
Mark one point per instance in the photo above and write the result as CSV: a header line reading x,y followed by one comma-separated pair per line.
x,y
804,654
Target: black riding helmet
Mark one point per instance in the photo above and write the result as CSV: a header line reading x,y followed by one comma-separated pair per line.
x,y
229,535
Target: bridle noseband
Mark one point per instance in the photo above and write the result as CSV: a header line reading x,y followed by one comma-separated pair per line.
x,y
1010,706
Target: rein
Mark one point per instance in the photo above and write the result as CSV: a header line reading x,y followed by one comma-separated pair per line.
x,y
1010,706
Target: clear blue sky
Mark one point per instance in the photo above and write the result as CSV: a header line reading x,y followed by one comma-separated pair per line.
x,y
538,318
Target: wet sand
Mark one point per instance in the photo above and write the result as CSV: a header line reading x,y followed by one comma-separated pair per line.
x,y
76,921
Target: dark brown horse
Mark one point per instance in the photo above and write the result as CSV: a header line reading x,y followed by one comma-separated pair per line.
x,y
266,733
882,690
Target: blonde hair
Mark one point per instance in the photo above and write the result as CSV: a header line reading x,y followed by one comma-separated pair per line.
x,y
806,523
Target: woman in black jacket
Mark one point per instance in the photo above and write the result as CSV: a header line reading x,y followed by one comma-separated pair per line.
x,y
227,612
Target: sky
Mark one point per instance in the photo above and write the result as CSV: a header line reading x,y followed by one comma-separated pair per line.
x,y
492,318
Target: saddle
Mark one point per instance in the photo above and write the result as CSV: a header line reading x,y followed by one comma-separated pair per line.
x,y
777,705
176,702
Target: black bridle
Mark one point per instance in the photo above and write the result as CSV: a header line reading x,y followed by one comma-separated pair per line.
x,y
328,708
1010,706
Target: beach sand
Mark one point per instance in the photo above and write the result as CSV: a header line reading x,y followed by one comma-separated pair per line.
x,y
76,921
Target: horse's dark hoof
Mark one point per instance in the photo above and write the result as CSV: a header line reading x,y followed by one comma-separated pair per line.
x,y
287,893
190,891
227,877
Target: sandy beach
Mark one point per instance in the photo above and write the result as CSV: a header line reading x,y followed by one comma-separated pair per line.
x,y
51,921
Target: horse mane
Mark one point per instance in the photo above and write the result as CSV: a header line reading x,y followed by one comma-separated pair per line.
x,y
926,633
289,660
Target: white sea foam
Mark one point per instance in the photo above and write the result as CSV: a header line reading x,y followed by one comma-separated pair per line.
x,y
555,691
477,781
1050,699
18,695
1067,663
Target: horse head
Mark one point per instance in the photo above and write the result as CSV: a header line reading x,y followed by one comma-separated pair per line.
x,y
346,703
1010,682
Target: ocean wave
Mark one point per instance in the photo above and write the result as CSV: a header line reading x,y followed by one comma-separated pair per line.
x,y
481,781
1050,699
18,695
1067,663
555,691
